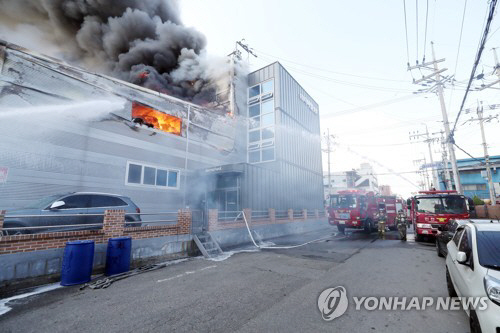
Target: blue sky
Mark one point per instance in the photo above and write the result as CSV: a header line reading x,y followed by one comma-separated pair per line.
x,y
351,54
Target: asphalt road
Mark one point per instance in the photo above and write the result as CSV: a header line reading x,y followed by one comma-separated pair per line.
x,y
260,291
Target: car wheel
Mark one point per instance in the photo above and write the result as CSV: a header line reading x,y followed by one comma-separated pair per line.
x,y
438,249
449,284
419,238
341,229
475,327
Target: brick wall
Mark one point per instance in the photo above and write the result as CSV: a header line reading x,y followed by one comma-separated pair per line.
x,y
113,226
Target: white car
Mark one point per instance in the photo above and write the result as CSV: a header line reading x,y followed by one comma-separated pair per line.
x,y
473,270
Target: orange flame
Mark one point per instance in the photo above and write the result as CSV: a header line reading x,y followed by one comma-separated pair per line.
x,y
156,119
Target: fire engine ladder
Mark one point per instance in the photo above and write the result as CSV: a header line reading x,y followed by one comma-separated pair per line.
x,y
207,245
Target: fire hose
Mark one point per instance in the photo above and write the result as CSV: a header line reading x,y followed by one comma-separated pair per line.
x,y
107,281
274,247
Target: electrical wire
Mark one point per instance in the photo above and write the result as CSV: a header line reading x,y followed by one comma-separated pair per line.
x,y
425,36
467,153
416,21
458,53
406,31
324,69
482,43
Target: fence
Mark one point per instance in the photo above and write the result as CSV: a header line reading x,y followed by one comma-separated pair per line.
x,y
34,238
218,220
488,212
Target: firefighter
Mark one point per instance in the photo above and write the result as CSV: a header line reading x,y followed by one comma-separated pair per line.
x,y
381,223
401,223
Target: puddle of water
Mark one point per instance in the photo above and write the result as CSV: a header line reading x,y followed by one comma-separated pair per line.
x,y
3,302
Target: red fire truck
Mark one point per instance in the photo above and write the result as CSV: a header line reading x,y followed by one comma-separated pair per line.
x,y
431,209
359,209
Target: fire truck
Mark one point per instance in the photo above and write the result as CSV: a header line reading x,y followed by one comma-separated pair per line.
x,y
359,209
431,209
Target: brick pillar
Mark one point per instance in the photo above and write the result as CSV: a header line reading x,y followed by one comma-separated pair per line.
x,y
304,214
213,219
316,213
290,214
2,216
248,215
114,222
272,215
184,219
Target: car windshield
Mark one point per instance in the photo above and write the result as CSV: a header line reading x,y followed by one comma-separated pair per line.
x,y
488,248
442,205
343,201
44,202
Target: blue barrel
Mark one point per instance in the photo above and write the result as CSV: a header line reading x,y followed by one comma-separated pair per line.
x,y
77,262
118,255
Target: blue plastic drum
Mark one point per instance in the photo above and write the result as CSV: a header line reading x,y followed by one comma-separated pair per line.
x,y
118,255
77,262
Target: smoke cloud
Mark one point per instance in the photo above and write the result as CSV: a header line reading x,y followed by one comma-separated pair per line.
x,y
143,42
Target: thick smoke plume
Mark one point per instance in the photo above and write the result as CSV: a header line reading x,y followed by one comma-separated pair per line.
x,y
141,41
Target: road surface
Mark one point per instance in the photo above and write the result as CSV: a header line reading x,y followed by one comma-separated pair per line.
x,y
258,291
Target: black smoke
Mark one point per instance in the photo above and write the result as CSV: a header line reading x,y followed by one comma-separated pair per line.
x,y
141,41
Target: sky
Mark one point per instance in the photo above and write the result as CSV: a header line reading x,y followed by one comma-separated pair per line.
x,y
351,57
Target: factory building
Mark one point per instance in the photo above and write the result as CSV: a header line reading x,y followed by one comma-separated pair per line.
x,y
65,129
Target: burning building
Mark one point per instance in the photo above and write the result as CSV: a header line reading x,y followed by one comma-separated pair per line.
x,y
64,129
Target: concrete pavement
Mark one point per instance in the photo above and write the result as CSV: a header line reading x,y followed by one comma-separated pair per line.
x,y
271,290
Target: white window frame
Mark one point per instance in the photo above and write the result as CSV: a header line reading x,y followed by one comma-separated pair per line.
x,y
156,167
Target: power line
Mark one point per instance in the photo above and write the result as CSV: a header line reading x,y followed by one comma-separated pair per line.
x,y
327,70
416,12
468,153
406,31
425,36
493,4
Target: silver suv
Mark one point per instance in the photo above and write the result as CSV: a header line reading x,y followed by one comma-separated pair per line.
x,y
73,209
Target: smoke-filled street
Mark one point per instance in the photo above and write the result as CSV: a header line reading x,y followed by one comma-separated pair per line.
x,y
272,290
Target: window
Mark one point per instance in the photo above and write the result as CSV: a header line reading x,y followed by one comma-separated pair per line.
x,y
152,176
134,173
261,123
76,202
254,91
457,236
474,187
268,87
106,201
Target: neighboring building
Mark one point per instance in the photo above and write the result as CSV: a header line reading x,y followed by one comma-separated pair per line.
x,y
473,176
283,167
106,135
385,190
362,179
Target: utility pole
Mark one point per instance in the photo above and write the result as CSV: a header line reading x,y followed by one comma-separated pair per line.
x,y
485,147
449,139
428,140
329,144
439,89
234,57
446,171
486,156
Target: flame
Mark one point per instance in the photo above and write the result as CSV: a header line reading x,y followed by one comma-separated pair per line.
x,y
156,119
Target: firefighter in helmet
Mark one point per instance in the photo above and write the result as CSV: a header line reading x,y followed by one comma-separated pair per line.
x,y
382,218
401,223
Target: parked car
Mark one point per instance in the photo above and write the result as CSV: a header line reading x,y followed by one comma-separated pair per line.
x,y
446,232
69,209
473,270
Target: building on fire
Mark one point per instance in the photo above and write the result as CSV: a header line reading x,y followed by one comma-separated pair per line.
x,y
65,129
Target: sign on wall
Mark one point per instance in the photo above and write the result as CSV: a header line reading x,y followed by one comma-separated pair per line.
x,y
308,102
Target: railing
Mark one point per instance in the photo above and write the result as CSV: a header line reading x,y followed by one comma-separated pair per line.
x,y
165,218
281,214
298,214
260,215
230,216
311,213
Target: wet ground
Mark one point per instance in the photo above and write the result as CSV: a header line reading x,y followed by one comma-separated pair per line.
x,y
266,290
